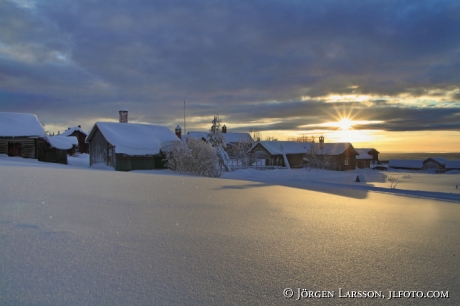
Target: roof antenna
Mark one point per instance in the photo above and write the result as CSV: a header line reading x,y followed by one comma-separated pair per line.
x,y
185,128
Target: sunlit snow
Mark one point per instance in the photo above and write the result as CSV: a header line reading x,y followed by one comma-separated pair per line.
x,y
74,235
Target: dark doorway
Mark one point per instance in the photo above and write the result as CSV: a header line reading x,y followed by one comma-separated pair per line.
x,y
14,149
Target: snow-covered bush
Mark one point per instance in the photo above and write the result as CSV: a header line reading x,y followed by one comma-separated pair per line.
x,y
195,157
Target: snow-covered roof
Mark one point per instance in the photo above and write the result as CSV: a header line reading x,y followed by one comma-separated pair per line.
x,y
136,138
283,147
439,160
363,154
228,137
452,164
198,135
336,148
406,163
293,147
237,137
20,125
71,130
62,143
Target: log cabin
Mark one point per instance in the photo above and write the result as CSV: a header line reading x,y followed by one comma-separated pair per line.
x,y
366,157
20,134
81,146
129,146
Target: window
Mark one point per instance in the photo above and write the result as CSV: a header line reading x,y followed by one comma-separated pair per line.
x,y
346,162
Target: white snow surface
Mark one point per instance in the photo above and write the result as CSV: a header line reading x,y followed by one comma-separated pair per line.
x,y
331,148
62,143
292,147
284,147
71,130
20,124
74,235
136,138
363,154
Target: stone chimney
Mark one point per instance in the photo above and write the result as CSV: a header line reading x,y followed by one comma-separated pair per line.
x,y
224,129
123,115
321,142
178,131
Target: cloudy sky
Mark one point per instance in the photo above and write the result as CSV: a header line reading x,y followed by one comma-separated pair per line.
x,y
283,67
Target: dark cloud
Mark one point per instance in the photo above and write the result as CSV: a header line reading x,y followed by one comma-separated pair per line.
x,y
251,61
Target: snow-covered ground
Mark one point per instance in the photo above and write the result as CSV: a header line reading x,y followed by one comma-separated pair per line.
x,y
74,235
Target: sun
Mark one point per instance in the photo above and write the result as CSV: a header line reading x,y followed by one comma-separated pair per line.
x,y
345,124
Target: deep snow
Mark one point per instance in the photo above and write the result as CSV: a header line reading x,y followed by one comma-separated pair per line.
x,y
72,235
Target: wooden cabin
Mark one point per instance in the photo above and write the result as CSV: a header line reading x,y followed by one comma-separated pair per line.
x,y
339,156
129,146
366,157
287,154
82,146
19,134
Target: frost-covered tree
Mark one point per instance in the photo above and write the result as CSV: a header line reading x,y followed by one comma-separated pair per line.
x,y
195,157
241,151
216,139
318,156
215,135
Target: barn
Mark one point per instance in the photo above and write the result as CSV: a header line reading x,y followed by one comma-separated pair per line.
x,y
407,164
19,134
129,146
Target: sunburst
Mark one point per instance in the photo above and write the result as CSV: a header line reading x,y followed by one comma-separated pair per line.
x,y
345,124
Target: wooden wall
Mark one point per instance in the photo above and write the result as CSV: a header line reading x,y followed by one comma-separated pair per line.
x,y
295,160
28,146
51,155
98,149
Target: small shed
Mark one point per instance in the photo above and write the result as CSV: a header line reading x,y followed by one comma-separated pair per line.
x,y
19,134
130,146
53,149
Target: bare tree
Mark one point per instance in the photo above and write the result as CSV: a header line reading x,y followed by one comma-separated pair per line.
x,y
241,151
318,157
255,135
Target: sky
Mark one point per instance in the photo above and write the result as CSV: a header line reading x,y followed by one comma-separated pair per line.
x,y
387,70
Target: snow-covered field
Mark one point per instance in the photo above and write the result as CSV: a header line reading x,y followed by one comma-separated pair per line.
x,y
71,235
